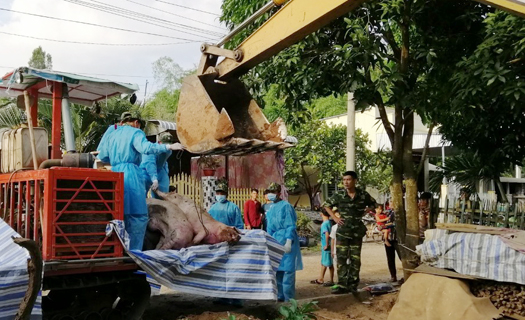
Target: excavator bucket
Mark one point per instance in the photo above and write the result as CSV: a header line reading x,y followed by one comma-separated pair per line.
x,y
217,117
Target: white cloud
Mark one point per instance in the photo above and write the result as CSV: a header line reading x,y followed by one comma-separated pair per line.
x,y
96,59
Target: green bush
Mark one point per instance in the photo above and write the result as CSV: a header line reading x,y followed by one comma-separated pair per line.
x,y
296,312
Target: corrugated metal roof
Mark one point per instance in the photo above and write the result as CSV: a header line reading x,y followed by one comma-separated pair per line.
x,y
164,124
82,89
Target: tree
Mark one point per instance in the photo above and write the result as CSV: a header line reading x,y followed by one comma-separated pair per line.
x,y
389,53
467,170
40,59
320,158
163,105
168,74
486,113
329,106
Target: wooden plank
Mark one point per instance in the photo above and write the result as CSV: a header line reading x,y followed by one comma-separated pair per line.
x,y
471,228
424,268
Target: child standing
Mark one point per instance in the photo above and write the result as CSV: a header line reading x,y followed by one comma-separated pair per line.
x,y
333,239
326,255
382,222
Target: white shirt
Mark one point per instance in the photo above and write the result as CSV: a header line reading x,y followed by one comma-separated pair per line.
x,y
333,234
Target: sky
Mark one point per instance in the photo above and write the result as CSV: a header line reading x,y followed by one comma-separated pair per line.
x,y
186,23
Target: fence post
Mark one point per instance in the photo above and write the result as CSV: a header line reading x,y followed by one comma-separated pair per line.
x,y
480,203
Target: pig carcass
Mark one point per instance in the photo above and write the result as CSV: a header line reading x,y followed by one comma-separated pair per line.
x,y
166,219
181,223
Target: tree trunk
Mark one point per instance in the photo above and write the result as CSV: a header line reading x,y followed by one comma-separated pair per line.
x,y
410,258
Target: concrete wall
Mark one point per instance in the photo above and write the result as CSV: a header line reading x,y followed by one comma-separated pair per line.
x,y
368,123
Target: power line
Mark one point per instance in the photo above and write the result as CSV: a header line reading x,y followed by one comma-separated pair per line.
x,y
177,15
99,43
137,16
93,24
178,5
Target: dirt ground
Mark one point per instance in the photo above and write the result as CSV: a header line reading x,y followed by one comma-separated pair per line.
x,y
171,305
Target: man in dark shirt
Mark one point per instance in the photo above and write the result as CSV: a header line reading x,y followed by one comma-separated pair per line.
x,y
253,212
352,203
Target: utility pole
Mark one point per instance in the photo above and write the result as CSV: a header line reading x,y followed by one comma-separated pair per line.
x,y
350,133
145,91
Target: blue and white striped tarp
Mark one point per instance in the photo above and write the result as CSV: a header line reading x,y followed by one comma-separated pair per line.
x,y
14,278
475,254
245,270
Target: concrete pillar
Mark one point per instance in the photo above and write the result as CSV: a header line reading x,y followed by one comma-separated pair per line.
x,y
350,133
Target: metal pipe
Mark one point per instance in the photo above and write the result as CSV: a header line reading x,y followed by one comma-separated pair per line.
x,y
125,259
246,22
27,101
69,134
46,164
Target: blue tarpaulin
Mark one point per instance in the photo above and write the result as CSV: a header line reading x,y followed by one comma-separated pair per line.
x,y
245,270
14,278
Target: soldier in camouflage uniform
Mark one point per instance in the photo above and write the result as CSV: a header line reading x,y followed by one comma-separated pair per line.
x,y
351,203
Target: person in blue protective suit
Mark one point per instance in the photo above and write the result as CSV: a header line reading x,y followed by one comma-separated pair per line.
x,y
226,211
155,168
282,225
122,146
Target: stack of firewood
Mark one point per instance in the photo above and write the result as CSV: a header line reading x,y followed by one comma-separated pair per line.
x,y
507,297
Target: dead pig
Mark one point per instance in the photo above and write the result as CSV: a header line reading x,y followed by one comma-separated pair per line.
x,y
175,230
206,230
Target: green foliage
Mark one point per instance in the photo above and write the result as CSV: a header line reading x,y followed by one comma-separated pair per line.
x,y
208,162
163,105
168,74
298,312
486,110
360,52
328,106
230,317
273,106
302,224
320,158
10,116
40,59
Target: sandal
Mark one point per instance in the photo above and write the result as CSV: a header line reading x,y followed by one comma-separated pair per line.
x,y
316,282
328,284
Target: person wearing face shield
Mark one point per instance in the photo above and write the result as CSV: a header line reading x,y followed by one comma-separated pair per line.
x,y
155,168
282,225
224,210
122,146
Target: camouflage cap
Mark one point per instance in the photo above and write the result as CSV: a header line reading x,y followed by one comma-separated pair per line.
x,y
166,137
126,115
129,116
274,186
222,185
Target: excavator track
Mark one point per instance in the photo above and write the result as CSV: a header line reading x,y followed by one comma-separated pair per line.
x,y
104,296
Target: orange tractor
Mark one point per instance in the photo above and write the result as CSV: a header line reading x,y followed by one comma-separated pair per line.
x,y
64,205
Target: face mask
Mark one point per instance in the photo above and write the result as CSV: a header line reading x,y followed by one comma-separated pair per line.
x,y
220,198
272,196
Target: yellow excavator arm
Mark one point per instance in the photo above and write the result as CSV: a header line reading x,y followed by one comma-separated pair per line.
x,y
216,113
